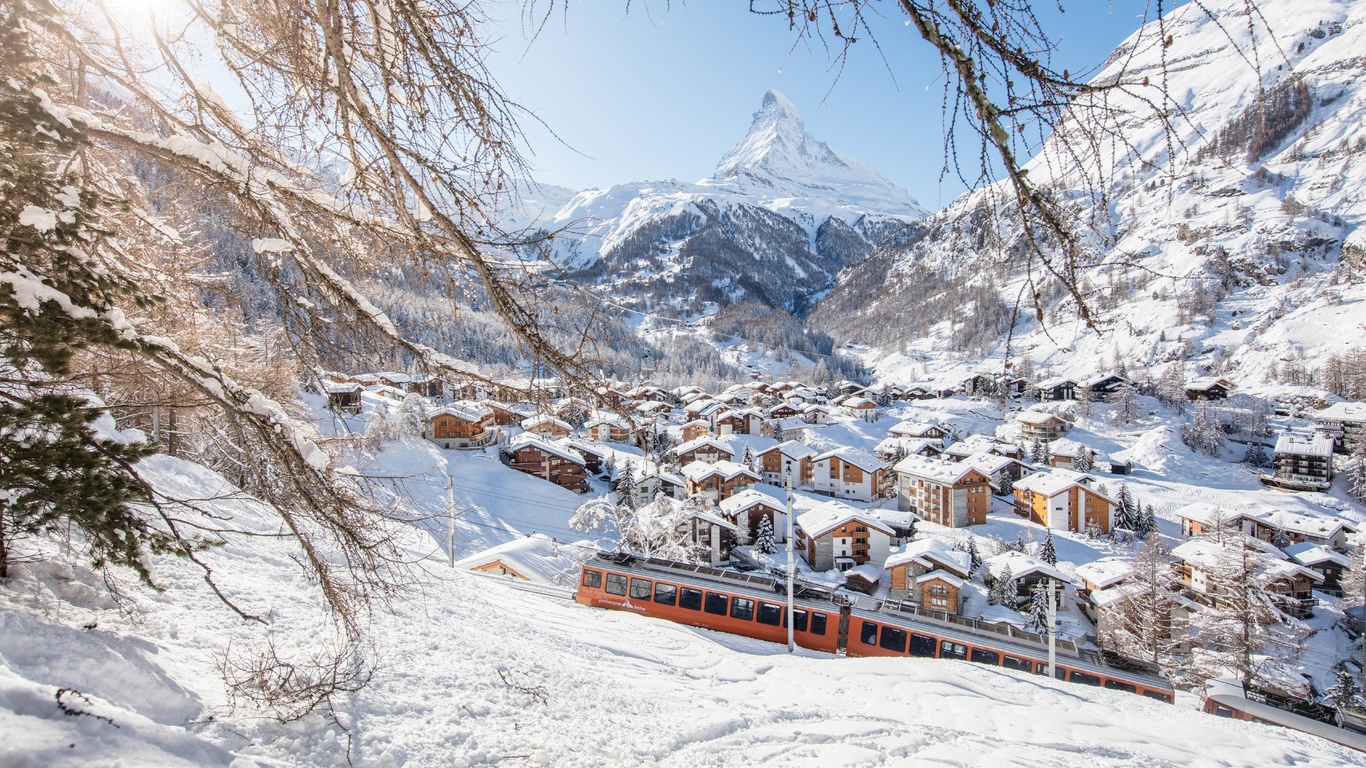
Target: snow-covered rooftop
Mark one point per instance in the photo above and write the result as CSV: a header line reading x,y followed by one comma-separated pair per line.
x,y
536,558
1315,445
853,456
822,519
938,470
1105,572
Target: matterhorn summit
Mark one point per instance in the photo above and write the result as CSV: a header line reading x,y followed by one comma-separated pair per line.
x,y
780,157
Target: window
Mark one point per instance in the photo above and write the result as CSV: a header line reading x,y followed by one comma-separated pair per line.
x,y
817,623
640,589
716,603
940,603
982,656
798,620
950,650
592,579
860,529
893,639
690,599
1010,662
868,634
665,594
769,614
834,470
1119,685
924,645
742,608
616,584
1159,695
938,589
1083,678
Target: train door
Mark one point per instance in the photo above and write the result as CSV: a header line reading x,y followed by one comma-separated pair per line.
x,y
844,628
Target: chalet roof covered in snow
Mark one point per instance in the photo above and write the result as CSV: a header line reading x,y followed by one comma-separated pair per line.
x,y
827,517
916,429
794,449
1037,418
536,558
1055,481
1343,411
1022,565
1316,445
464,410
1206,555
698,471
853,456
1307,525
1068,449
931,553
944,576
868,572
938,470
1207,514
748,499
545,419
1309,554
989,463
529,440
1105,572
703,442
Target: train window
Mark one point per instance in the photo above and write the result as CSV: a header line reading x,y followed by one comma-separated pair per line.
x,y
950,650
798,620
690,599
1222,711
924,645
893,639
868,634
592,579
1083,678
665,594
1118,685
1165,698
769,614
716,603
640,589
817,624
742,608
616,584
1011,662
982,656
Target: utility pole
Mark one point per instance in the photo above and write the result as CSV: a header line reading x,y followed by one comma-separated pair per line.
x,y
450,520
1052,628
791,570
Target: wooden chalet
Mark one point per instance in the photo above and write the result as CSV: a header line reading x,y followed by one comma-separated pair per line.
x,y
546,425
919,430
1057,388
552,462
704,449
462,425
343,397
1036,425
1208,388
1198,562
608,428
1103,388
1345,423
850,474
919,558
748,508
719,480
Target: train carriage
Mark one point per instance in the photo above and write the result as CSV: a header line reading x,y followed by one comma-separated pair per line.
x,y
751,605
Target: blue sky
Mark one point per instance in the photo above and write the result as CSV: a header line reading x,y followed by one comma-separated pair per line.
x,y
662,91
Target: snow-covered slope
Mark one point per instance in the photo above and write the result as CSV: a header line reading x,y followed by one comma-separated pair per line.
x,y
781,216
473,672
1226,241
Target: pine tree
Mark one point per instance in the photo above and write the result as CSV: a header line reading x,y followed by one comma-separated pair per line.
x,y
1006,487
626,484
1203,434
974,557
59,472
1127,514
1083,462
747,457
1039,453
998,593
1048,552
1346,693
1038,609
1147,522
764,543
1255,456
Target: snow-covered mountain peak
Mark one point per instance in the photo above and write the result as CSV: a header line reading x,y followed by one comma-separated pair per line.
x,y
777,143
778,158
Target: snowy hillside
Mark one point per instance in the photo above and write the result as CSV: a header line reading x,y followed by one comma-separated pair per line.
x,y
782,215
474,672
1227,252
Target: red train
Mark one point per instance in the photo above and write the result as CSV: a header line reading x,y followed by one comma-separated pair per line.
x,y
750,605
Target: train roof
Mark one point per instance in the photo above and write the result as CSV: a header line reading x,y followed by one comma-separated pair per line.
x,y
1231,694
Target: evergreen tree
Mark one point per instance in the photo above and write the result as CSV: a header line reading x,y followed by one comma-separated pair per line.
x,y
747,457
1203,434
1255,456
1346,693
974,557
1048,552
1006,487
1038,609
1171,388
1083,462
1147,522
1039,453
764,543
626,484
998,593
1126,515
58,298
